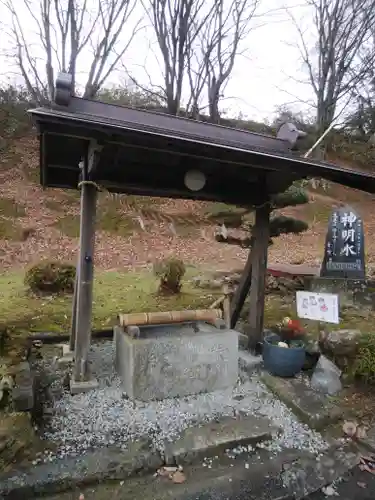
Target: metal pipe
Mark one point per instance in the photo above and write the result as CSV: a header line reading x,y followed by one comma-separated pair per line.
x,y
57,338
328,129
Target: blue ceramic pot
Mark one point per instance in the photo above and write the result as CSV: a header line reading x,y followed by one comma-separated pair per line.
x,y
282,361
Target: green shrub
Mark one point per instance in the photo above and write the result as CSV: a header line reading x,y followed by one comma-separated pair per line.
x,y
170,271
364,365
51,277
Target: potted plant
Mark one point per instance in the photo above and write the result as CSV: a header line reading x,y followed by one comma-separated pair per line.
x,y
283,358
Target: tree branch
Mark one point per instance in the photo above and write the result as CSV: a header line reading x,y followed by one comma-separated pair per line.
x,y
65,29
341,28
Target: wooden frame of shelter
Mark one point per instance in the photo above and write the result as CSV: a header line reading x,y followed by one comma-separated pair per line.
x,y
88,144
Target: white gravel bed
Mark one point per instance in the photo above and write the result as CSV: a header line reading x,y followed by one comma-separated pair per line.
x,y
105,417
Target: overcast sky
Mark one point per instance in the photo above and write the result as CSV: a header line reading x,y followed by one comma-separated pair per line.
x,y
268,74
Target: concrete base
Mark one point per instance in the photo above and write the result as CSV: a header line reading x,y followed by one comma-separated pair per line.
x,y
67,356
174,360
66,350
86,386
249,363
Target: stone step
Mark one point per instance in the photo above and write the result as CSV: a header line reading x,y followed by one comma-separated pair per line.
x,y
291,474
315,409
213,438
69,473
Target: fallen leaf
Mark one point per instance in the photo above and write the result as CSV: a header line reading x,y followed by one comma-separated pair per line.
x,y
362,485
178,477
368,469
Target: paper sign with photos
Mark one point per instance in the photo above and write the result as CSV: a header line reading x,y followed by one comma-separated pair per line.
x,y
318,306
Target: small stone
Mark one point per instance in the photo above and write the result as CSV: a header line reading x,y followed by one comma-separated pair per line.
x,y
178,477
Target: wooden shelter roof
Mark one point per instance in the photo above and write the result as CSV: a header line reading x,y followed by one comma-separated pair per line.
x,y
149,153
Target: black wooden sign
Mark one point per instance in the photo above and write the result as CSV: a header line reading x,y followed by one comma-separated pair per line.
x,y
344,254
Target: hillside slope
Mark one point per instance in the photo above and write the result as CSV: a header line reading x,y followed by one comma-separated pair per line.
x,y
36,224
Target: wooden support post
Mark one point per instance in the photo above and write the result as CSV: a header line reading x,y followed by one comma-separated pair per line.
x,y
85,274
259,253
240,293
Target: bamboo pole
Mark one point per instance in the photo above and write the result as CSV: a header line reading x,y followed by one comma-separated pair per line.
x,y
169,317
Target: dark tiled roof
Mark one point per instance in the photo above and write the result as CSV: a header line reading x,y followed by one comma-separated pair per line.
x,y
223,147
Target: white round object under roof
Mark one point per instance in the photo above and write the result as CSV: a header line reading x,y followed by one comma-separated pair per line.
x,y
195,180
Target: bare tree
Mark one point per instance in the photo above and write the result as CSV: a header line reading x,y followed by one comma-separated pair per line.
x,y
340,29
361,120
197,77
66,30
177,24
220,41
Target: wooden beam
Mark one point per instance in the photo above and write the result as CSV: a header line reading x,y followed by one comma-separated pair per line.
x,y
259,253
241,292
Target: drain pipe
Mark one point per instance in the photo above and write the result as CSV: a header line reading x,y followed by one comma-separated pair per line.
x,y
56,338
